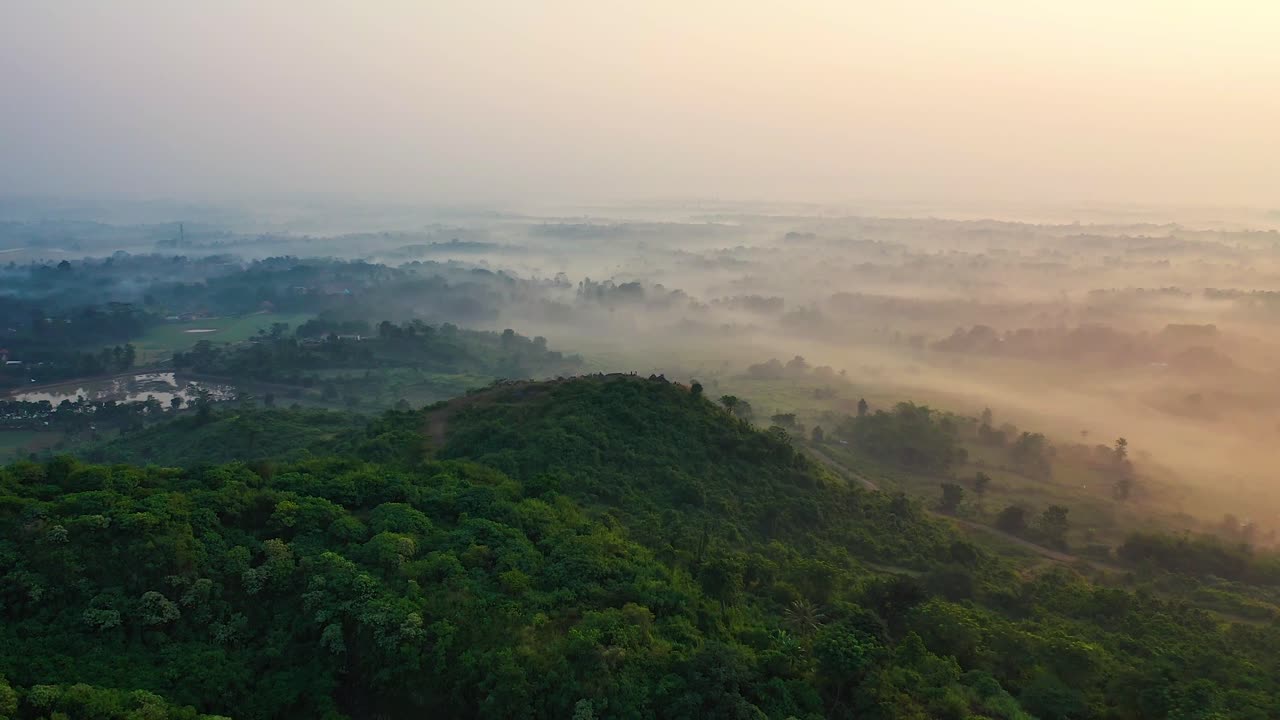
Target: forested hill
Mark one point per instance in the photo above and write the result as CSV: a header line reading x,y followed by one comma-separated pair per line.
x,y
680,472
609,547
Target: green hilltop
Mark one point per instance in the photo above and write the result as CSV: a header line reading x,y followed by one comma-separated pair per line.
x,y
608,547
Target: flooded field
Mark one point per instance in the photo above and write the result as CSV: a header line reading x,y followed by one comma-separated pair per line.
x,y
162,386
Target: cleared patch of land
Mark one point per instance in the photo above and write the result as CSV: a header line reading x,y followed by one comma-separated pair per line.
x,y
163,340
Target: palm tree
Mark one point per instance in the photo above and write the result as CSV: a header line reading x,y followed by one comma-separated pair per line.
x,y
804,618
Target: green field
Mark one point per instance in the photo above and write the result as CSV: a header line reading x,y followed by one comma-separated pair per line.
x,y
162,340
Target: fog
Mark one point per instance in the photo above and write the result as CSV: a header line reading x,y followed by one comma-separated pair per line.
x,y
1163,334
993,109
1066,212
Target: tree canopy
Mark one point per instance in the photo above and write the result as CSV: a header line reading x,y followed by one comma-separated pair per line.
x,y
610,547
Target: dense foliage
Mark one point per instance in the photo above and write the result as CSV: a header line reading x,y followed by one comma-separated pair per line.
x,y
911,436
78,341
229,434
317,348
612,547
76,417
1201,555
76,319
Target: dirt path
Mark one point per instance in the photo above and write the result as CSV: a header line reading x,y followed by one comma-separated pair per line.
x,y
841,470
1040,550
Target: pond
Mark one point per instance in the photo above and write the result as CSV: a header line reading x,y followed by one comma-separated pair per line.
x,y
163,386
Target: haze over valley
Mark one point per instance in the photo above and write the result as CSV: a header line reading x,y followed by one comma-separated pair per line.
x,y
834,360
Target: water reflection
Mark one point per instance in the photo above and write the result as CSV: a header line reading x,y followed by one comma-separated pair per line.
x,y
162,386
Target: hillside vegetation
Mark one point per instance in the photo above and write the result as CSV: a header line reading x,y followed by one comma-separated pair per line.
x,y
609,547
217,436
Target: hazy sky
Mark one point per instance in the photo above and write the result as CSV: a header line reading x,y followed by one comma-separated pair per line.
x,y
1169,101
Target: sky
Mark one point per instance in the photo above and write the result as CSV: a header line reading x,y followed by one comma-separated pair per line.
x,y
997,101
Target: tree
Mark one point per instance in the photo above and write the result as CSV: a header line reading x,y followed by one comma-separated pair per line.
x,y
912,436
696,389
1048,697
803,617
1030,454
981,482
862,407
736,406
583,710
844,655
176,402
769,370
1123,487
204,406
1121,471
784,420
8,699
1012,520
1054,525
156,609
952,496
721,579
989,436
